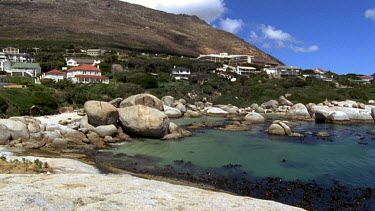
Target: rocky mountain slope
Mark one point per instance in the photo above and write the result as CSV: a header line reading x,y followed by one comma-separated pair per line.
x,y
118,23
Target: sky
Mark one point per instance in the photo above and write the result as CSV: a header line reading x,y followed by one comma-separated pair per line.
x,y
334,35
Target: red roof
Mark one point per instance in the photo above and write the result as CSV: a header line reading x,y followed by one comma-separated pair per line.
x,y
55,72
366,77
91,76
85,67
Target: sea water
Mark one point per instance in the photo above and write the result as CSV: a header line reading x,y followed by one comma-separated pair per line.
x,y
348,155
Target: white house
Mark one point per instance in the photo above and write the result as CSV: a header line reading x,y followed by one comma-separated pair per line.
x,y
288,71
55,75
93,52
11,50
232,60
181,73
86,74
4,62
74,62
270,71
246,71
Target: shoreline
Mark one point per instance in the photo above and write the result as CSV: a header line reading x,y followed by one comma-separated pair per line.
x,y
81,175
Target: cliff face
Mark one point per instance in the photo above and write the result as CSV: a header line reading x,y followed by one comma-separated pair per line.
x,y
118,23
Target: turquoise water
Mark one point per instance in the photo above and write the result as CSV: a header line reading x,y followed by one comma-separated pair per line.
x,y
340,157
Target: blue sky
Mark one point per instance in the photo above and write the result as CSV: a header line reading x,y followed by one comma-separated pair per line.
x,y
334,35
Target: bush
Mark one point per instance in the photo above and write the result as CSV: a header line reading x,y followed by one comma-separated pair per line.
x,y
45,102
145,80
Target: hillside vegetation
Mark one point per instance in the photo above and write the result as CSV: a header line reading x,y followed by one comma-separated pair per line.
x,y
258,88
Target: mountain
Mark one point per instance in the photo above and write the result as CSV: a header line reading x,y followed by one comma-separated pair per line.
x,y
119,24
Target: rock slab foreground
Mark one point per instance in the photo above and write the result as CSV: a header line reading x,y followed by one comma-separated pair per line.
x,y
116,192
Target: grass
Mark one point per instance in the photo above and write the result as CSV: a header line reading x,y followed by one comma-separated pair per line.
x,y
23,166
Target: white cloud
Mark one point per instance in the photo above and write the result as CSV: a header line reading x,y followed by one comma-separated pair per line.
x,y
231,25
208,10
272,33
370,14
307,49
269,37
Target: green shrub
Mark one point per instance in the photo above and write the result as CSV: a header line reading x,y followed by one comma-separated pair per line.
x,y
145,80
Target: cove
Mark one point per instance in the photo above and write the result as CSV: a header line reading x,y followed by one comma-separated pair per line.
x,y
343,161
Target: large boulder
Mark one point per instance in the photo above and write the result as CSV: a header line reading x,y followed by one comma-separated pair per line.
x,y
254,118
33,126
106,130
144,121
321,116
181,107
17,129
117,69
143,99
298,111
282,128
272,104
338,116
216,112
84,123
168,100
172,112
192,114
230,109
100,113
4,135
260,110
284,102
276,129
176,132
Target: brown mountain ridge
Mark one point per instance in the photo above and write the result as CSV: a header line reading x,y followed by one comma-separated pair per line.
x,y
119,23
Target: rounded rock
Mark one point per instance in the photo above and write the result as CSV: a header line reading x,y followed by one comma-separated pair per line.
x,y
100,113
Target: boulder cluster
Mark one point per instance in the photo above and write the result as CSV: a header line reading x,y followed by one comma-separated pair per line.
x,y
99,124
144,115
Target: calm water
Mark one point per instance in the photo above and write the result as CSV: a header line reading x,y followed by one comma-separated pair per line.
x,y
348,155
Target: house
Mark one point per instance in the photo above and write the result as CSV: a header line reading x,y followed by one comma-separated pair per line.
x,y
4,62
226,58
86,73
11,50
24,69
55,75
94,52
271,71
288,71
246,71
179,73
22,57
319,71
74,62
366,79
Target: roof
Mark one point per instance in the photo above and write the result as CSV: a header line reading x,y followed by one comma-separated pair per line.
x,y
19,65
366,77
182,69
91,76
85,67
83,60
56,72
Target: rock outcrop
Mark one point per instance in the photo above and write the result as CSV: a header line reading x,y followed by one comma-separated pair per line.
x,y
144,121
216,112
254,118
298,111
100,113
143,99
